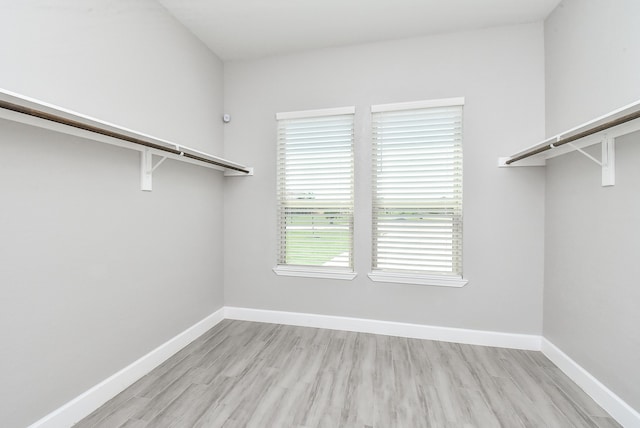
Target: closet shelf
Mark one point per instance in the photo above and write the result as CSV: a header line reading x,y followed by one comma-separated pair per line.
x,y
602,130
30,111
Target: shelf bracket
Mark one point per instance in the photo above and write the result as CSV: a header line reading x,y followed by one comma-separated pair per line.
x,y
608,163
578,149
146,169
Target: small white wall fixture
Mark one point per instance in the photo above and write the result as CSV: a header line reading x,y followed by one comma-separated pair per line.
x,y
18,108
602,130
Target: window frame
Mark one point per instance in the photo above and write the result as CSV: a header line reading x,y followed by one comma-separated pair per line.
x,y
311,271
411,277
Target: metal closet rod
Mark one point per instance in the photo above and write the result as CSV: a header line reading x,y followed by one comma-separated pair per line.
x,y
586,133
75,124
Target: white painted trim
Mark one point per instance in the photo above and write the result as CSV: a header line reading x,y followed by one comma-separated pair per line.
x,y
388,328
417,279
233,173
623,413
314,273
90,400
87,402
315,113
444,102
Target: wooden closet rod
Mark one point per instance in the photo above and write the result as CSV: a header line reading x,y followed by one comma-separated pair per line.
x,y
75,124
586,133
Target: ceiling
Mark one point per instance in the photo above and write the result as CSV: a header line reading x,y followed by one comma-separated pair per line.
x,y
247,29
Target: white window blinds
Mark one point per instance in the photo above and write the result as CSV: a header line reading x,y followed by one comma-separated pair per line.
x,y
315,189
417,188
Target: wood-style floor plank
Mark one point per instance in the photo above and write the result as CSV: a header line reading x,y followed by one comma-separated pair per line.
x,y
244,374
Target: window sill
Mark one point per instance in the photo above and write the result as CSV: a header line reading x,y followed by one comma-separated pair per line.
x,y
417,279
314,273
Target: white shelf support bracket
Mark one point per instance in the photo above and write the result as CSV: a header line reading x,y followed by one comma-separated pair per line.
x,y
608,161
164,158
146,169
578,149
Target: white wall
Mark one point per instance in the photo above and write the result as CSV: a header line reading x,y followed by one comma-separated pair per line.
x,y
500,72
591,289
591,60
95,273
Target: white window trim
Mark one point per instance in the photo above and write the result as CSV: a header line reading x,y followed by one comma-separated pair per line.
x,y
412,277
316,113
310,272
444,102
417,279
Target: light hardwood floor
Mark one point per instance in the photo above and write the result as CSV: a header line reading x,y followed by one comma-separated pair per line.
x,y
245,374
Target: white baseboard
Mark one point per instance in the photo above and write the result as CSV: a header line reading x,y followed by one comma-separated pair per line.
x,y
388,328
90,400
624,414
84,404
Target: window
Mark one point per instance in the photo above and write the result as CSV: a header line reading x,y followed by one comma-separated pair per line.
x,y
315,193
417,192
